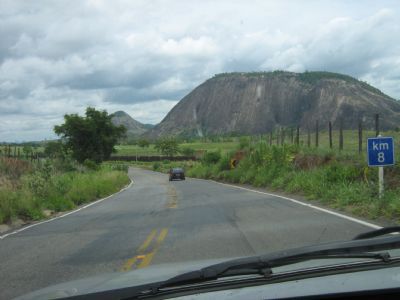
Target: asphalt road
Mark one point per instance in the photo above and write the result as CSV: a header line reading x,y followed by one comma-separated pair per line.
x,y
156,221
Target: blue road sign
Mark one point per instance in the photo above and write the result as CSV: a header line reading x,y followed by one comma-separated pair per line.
x,y
380,151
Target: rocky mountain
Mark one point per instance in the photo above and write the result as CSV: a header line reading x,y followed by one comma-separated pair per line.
x,y
254,103
134,128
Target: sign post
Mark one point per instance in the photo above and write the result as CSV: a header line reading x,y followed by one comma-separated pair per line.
x,y
380,179
380,152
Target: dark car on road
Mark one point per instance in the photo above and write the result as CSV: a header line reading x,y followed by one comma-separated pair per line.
x,y
176,173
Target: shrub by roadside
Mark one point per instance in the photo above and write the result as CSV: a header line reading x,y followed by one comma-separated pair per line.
x,y
340,182
51,187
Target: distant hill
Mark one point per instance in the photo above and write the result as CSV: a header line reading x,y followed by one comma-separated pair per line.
x,y
149,126
252,103
134,128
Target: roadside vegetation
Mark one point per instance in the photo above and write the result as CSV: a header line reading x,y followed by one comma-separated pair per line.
x,y
185,148
32,191
71,174
73,171
228,144
340,180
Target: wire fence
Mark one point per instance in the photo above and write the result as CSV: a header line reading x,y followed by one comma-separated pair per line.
x,y
325,136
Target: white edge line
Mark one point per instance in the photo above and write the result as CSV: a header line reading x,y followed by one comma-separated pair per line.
x,y
302,203
66,214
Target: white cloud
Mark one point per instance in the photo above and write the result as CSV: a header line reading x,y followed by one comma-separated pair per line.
x,y
58,58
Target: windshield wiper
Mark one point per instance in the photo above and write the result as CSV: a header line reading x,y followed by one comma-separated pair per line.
x,y
258,265
378,232
358,248
364,248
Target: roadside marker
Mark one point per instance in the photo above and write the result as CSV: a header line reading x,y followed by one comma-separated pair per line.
x,y
380,153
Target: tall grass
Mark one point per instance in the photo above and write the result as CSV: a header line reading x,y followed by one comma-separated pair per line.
x,y
338,180
28,190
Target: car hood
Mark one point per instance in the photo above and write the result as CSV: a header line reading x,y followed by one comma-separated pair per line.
x,y
162,272
111,281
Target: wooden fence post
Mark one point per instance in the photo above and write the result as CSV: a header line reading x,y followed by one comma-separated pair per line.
x,y
270,138
298,135
277,137
330,135
341,135
359,136
316,134
308,137
377,124
291,135
282,136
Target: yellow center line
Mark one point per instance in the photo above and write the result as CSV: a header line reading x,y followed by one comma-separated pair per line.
x,y
148,258
148,240
143,259
173,204
132,261
172,197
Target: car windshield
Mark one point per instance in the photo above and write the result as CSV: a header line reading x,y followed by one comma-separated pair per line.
x,y
161,137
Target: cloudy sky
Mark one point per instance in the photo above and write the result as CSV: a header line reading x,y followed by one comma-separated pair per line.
x,y
59,57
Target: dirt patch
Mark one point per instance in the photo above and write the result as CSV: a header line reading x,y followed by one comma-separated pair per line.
x,y
392,177
15,224
47,213
4,228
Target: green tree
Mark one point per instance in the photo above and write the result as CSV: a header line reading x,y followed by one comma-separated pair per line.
x,y
167,146
91,137
143,143
27,149
212,157
54,149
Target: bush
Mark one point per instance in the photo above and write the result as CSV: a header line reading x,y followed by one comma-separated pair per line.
x,y
337,172
143,143
244,142
212,157
168,146
13,168
47,188
117,167
156,166
187,151
54,149
91,165
224,163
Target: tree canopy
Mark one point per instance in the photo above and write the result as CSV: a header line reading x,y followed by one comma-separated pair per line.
x,y
143,143
91,137
54,149
167,146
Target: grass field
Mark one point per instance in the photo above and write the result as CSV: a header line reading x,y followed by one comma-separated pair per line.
x,y
350,143
150,151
